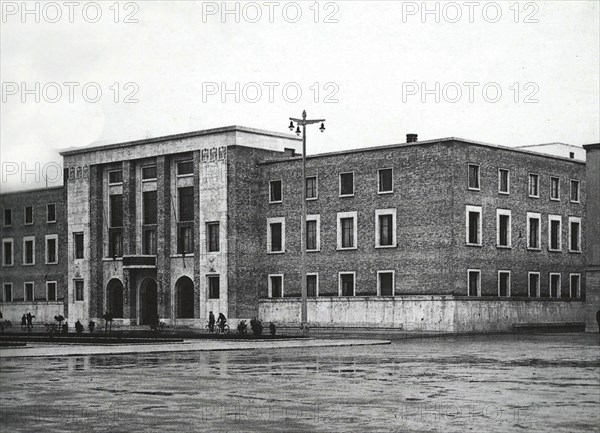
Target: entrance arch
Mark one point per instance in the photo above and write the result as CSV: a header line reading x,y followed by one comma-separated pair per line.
x,y
184,289
148,301
114,298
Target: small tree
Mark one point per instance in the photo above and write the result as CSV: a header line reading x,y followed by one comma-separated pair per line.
x,y
257,327
242,327
91,326
59,318
79,327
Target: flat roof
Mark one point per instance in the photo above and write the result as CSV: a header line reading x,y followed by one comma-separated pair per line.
x,y
418,143
26,191
212,131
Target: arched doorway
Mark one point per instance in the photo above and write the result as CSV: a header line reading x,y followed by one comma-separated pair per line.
x,y
148,301
114,298
184,289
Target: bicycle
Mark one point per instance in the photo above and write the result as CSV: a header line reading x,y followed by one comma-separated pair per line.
x,y
222,329
208,328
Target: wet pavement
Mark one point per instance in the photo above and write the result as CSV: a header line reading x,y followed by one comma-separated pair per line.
x,y
493,383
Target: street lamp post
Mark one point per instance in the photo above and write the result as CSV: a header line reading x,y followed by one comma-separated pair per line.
x,y
303,122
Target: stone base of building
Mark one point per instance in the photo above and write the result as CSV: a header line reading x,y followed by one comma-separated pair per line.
x,y
424,313
592,299
44,311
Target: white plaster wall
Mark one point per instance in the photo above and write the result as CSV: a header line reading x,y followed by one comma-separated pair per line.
x,y
43,311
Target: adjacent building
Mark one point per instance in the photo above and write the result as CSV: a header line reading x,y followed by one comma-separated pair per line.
x,y
448,235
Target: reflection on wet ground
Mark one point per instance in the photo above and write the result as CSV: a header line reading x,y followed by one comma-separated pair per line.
x,y
487,383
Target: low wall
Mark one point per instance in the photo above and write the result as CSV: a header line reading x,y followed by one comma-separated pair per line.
x,y
44,311
423,313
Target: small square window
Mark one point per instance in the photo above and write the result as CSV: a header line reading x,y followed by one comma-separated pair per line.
x,y
346,184
346,284
51,291
385,283
473,177
275,194
149,172
275,286
386,183
115,177
185,168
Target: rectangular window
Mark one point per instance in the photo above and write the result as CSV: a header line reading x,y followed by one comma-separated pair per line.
x,y
78,290
533,231
554,232
7,217
115,177
503,181
575,191
51,213
28,293
8,293
385,283
473,282
311,188
149,172
115,242
503,283
575,286
212,233
50,290
534,185
503,228
29,250
473,231
185,239
555,285
275,195
214,287
116,210
534,284
78,239
185,168
186,203
311,235
149,247
275,286
473,177
554,188
346,284
575,234
51,249
7,252
275,235
346,184
385,228
386,183
28,215
150,207
312,285
346,230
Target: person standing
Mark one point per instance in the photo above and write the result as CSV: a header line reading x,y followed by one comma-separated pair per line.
x,y
29,322
23,322
211,322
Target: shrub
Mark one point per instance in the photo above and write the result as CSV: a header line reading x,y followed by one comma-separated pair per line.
x,y
79,327
91,326
257,327
242,327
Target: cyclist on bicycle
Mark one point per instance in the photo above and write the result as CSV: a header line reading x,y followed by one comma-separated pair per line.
x,y
221,321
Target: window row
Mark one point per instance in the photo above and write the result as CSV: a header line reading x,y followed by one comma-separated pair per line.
x,y
385,185
474,225
474,184
28,215
555,289
149,172
8,292
29,251
346,284
347,231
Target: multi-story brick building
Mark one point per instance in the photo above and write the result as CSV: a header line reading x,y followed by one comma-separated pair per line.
x,y
34,254
444,234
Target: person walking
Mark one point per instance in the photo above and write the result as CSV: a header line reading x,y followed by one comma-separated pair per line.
x,y
29,322
211,322
23,322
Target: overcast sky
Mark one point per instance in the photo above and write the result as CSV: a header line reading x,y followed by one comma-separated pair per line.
x,y
501,74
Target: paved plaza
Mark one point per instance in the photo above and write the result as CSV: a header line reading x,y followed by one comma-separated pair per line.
x,y
494,383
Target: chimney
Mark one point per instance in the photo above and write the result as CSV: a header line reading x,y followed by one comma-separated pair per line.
x,y
411,138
